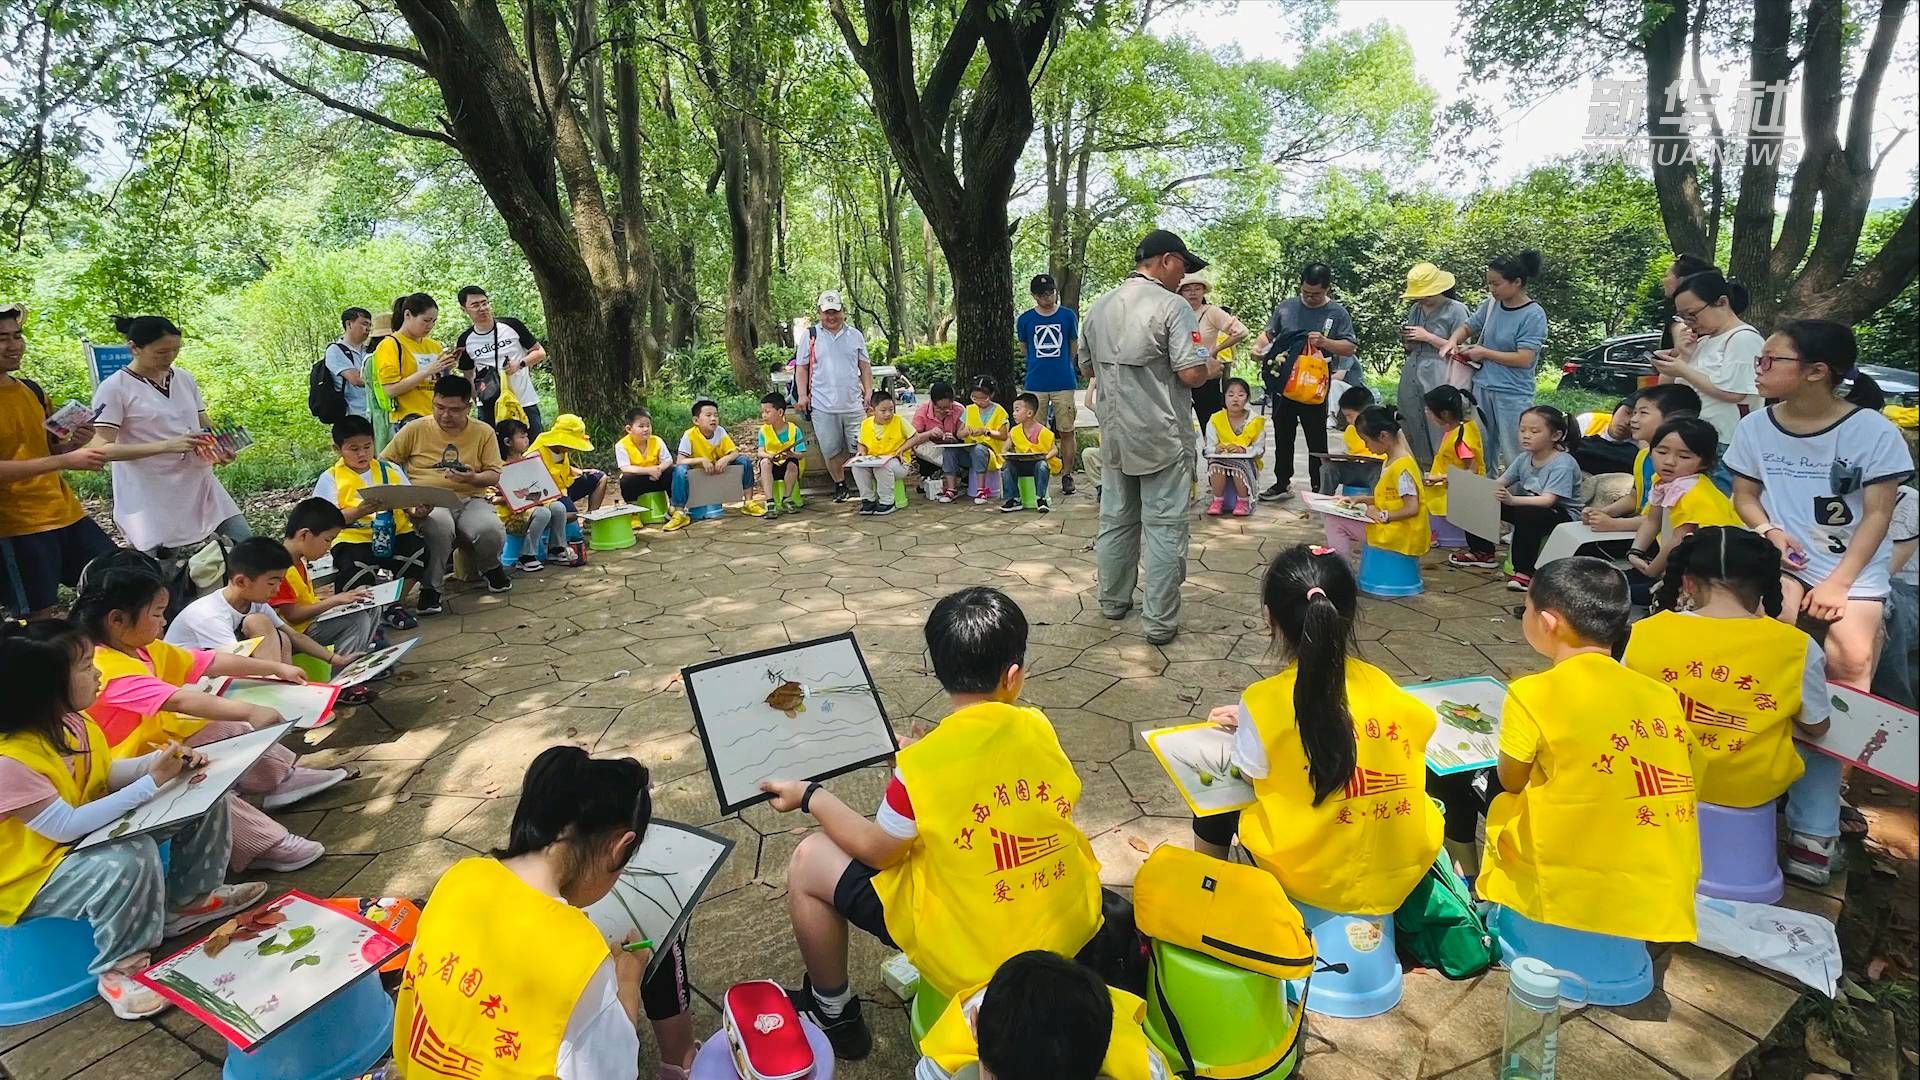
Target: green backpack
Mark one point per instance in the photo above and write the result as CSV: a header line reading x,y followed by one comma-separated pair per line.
x,y
1438,926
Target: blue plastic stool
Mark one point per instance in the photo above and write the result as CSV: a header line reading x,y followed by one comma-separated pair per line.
x,y
1617,970
345,1036
1363,944
574,535
43,963
1445,533
1389,573
510,551
1739,854
925,1010
707,512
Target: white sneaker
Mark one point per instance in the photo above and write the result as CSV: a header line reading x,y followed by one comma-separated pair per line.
x,y
1811,858
128,999
222,903
302,784
290,854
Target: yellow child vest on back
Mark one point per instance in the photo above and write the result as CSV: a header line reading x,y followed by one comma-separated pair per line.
x,y
885,441
710,451
346,496
1351,445
952,1043
1604,837
781,441
1365,846
650,457
558,465
998,866
1409,536
1739,687
495,972
28,859
1017,441
1460,448
994,416
170,664
1247,438
300,583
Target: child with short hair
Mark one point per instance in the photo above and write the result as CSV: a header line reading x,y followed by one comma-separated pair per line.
x,y
1041,1017
309,533
1344,475
375,539
1748,683
542,528
783,448
1594,828
645,463
1539,490
1235,428
1684,451
1399,515
59,783
923,875
984,424
257,569
1028,436
884,435
708,447
1610,425
1652,408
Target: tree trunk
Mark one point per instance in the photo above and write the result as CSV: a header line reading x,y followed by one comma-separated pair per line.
x,y
896,298
1675,175
684,322
983,311
930,266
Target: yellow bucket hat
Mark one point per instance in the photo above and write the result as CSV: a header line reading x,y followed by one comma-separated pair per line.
x,y
1426,279
568,432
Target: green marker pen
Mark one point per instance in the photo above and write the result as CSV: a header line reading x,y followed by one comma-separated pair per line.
x,y
636,946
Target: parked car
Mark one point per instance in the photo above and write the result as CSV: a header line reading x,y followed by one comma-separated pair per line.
x,y
1620,365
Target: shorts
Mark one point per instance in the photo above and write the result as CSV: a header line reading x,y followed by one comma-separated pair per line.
x,y
838,434
855,899
667,993
34,566
583,485
1061,402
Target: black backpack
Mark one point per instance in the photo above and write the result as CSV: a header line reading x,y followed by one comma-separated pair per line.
x,y
326,398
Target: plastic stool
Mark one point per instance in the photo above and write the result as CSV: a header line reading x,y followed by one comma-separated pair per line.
x,y
317,670
510,551
652,507
1028,493
1363,944
780,492
611,533
925,1010
900,491
715,1059
707,512
1739,854
1617,970
1389,573
991,481
1228,1016
1445,533
343,1037
574,535
43,968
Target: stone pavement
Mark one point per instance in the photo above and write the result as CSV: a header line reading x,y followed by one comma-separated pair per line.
x,y
592,657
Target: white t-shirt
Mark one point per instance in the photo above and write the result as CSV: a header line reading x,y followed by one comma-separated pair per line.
x,y
168,500
210,622
600,1042
326,488
505,342
1812,486
664,456
1905,530
1727,359
834,368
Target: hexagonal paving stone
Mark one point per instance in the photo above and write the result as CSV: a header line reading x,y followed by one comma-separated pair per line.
x,y
1148,785
1068,688
1144,699
406,871
1124,657
1088,736
495,762
392,822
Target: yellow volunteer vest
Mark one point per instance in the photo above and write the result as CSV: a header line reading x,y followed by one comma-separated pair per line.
x,y
558,466
170,664
1739,687
508,407
998,866
885,442
781,441
496,970
300,581
650,457
1351,445
993,417
1448,455
1604,837
952,1044
1017,440
347,485
710,451
1593,423
1702,506
1247,438
1364,847
1643,479
1409,536
27,859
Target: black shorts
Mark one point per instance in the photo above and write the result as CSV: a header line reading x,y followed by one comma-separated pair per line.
x,y
854,898
666,993
583,485
33,567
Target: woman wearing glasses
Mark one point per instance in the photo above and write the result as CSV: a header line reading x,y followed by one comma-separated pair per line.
x,y
1719,360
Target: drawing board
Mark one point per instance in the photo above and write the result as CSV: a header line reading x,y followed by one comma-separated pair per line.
x,y
525,483
306,705
1468,711
256,974
386,592
1199,758
1471,505
657,891
613,511
408,496
371,665
1873,733
194,792
796,712
1333,506
869,461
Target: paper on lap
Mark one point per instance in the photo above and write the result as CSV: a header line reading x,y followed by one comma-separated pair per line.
x,y
1873,734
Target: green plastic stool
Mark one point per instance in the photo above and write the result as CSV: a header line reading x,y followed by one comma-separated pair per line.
x,y
1028,498
1228,1016
781,491
652,508
613,533
928,1006
317,670
900,491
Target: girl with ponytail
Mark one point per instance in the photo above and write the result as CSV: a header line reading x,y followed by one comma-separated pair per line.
x,y
1717,358
1451,411
1751,684
1684,452
515,919
1399,512
1335,753
407,362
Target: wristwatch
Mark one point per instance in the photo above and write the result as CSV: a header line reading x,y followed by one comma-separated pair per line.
x,y
1764,528
806,799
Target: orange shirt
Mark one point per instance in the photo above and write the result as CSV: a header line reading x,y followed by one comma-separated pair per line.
x,y
39,503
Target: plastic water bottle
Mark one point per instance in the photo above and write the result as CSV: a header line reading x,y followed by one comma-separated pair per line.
x,y
1533,1021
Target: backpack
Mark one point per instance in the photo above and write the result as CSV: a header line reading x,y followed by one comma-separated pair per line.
x,y
1235,913
1438,927
326,397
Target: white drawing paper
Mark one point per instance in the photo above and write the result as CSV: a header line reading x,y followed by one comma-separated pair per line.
x,y
306,705
1873,733
386,592
525,483
1199,759
371,665
193,792
613,511
1468,711
657,891
1334,506
797,712
870,461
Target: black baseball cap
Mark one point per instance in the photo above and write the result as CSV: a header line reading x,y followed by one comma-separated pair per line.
x,y
1162,242
1042,284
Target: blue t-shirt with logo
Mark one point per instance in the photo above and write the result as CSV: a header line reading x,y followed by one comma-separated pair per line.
x,y
1047,337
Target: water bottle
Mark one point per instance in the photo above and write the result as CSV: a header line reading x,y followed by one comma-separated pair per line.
x,y
1533,1020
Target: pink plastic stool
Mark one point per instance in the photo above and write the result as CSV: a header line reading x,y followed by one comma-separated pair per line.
x,y
1739,854
715,1060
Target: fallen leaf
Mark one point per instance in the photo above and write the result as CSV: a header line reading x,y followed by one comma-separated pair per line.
x,y
490,789
1852,989
1821,1052
1138,845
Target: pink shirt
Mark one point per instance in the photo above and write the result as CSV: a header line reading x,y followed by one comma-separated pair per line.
x,y
21,786
126,701
925,420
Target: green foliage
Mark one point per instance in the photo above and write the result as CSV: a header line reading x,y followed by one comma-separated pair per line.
x,y
927,364
1887,336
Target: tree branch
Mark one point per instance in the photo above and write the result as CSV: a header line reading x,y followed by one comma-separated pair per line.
x,y
334,37
347,107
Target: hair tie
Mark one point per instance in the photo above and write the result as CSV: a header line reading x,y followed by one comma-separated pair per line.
x,y
1314,592
1320,550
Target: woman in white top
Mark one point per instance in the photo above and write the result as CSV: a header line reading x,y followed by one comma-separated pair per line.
x,y
168,500
1718,360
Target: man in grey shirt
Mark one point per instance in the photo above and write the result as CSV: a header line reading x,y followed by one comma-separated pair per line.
x,y
1143,344
347,357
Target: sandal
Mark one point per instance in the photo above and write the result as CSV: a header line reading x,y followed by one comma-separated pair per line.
x,y
400,618
356,695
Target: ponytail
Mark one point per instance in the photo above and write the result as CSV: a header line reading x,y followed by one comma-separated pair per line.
x,y
1523,267
36,666
143,330
571,797
1450,401
1725,557
411,304
1710,286
1311,598
1566,433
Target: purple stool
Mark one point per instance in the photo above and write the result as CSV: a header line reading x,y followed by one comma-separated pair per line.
x,y
1739,854
715,1059
1445,533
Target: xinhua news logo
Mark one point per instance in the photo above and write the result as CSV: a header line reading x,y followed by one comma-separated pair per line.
x,y
1749,121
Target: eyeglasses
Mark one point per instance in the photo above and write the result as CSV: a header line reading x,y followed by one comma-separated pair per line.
x,y
1765,361
1689,316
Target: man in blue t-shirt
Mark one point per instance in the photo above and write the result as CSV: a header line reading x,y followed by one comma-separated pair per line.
x,y
1051,335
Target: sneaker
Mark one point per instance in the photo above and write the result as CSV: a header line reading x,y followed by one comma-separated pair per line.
x,y
1278,492
497,580
868,506
358,694
679,520
1216,507
946,496
529,564
430,602
1243,508
565,557
302,784
753,508
399,618
1041,505
773,511
1519,583
1066,484
848,1032
885,508
981,497
128,999
222,903
1811,858
1474,560
1011,506
290,854
840,492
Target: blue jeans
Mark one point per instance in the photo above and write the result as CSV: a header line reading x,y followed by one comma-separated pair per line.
x,y
678,494
1894,678
1501,410
1014,470
1722,476
1813,802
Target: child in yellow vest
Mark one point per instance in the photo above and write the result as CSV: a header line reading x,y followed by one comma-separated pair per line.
x,y
1615,425
984,425
1042,1017
1335,751
509,978
642,457
1029,436
886,445
783,450
1595,827
1749,684
1653,407
1399,514
149,699
973,856
1684,452
59,783
1234,429
543,528
556,447
1461,446
376,538
311,527
708,447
